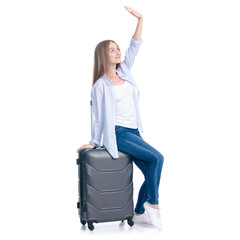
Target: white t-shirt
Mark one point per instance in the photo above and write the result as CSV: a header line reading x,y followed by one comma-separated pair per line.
x,y
125,114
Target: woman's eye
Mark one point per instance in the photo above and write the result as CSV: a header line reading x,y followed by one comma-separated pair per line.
x,y
112,50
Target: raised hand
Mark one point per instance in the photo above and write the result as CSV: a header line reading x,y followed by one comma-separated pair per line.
x,y
133,12
138,32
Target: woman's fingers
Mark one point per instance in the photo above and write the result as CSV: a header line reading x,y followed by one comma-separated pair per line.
x,y
133,12
85,146
128,8
79,149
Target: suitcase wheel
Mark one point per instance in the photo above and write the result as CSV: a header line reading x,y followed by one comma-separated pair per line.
x,y
83,222
130,222
90,225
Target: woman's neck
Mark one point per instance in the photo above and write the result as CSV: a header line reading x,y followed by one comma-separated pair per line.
x,y
111,73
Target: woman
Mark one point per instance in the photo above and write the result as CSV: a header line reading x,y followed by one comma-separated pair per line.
x,y
117,121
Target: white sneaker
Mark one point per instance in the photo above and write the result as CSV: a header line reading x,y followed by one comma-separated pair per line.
x,y
143,218
154,215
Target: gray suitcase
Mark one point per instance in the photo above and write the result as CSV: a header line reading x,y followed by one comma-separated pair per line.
x,y
105,187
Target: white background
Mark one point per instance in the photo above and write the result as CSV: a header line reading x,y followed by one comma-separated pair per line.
x,y
188,73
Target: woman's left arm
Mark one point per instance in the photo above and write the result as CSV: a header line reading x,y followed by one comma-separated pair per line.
x,y
138,32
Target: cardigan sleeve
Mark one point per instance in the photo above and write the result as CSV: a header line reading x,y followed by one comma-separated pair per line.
x,y
97,121
131,54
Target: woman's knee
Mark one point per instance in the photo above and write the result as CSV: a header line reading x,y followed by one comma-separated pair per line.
x,y
158,159
161,158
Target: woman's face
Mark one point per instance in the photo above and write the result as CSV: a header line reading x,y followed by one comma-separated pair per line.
x,y
114,53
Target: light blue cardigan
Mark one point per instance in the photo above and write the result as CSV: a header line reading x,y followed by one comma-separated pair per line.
x,y
103,103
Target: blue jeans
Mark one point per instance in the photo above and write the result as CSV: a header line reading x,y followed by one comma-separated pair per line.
x,y
147,159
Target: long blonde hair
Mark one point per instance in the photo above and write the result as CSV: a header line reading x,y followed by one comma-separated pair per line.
x,y
101,62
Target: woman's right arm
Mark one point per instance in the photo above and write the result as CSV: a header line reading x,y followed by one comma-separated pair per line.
x,y
96,126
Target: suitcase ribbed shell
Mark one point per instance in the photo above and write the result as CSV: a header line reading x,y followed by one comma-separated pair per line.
x,y
105,186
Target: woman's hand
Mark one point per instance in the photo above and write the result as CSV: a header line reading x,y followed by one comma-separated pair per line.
x,y
134,13
138,32
85,146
